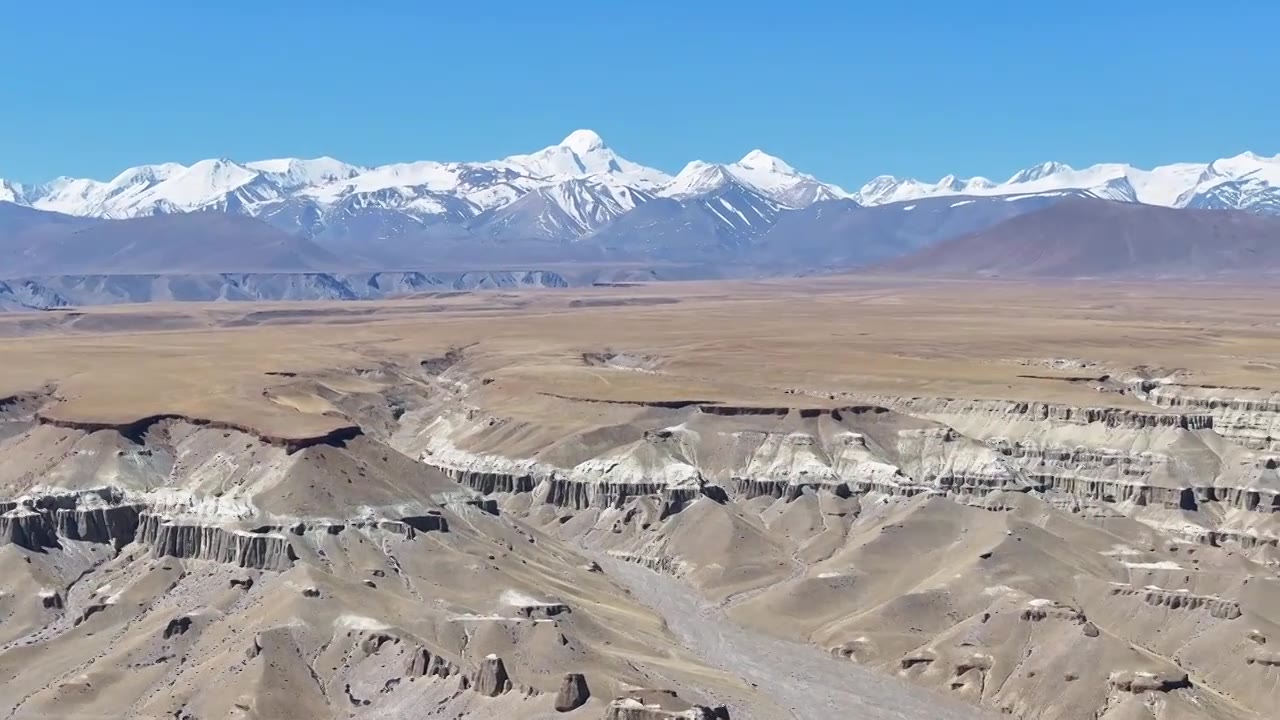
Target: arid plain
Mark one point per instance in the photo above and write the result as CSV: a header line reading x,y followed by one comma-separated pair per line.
x,y
828,497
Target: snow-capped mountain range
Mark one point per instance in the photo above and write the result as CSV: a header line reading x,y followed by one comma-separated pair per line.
x,y
1244,182
576,187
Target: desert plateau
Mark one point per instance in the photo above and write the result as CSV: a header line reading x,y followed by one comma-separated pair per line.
x,y
849,496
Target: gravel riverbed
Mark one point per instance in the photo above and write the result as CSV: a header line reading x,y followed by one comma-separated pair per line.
x,y
806,683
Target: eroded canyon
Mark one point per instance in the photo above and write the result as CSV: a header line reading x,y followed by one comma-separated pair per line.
x,y
847,498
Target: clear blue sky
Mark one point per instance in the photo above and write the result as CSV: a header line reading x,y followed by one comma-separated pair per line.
x,y
845,90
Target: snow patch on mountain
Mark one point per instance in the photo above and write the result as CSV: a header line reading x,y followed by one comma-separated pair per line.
x,y
565,211
740,210
11,192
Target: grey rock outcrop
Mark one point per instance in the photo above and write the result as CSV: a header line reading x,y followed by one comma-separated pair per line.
x,y
1263,657
573,693
177,626
491,678
1174,600
265,551
1249,416
26,528
543,611
660,705
1055,412
627,709
491,482
423,662
409,527
1140,682
95,516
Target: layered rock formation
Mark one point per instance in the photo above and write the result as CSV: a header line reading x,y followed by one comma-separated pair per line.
x,y
1039,559
1148,497
230,574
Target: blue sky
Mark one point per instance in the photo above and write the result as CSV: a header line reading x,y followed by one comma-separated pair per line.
x,y
844,90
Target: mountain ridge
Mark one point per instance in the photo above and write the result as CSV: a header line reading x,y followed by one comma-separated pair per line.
x,y
259,187
1080,237
1247,181
576,201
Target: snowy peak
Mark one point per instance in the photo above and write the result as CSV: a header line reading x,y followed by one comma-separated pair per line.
x,y
157,189
73,196
778,180
762,173
291,173
888,189
204,184
1249,157
11,192
214,174
760,161
879,190
146,175
583,142
326,182
698,178
1245,166
1247,181
1043,170
430,175
584,154
582,179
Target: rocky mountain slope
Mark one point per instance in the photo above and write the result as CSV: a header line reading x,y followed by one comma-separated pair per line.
x,y
731,230
1091,238
581,202
158,244
843,234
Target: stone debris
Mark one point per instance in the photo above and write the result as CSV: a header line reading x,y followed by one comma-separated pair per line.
x,y
1138,682
660,705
